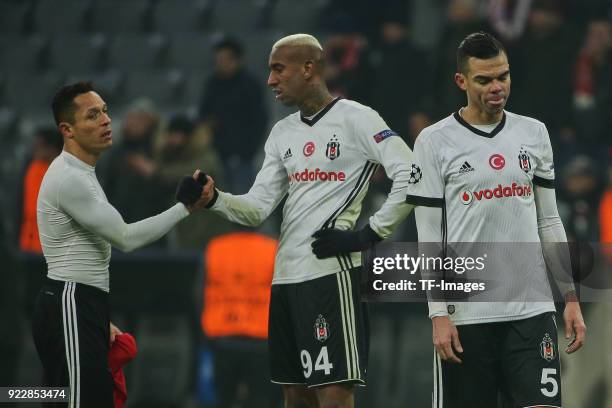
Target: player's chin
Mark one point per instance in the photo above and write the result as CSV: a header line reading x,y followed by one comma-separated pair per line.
x,y
286,100
495,108
105,145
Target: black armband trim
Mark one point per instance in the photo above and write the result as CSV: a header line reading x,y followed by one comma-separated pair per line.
x,y
542,182
425,201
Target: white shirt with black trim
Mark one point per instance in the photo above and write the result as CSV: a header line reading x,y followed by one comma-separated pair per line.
x,y
483,182
323,165
77,225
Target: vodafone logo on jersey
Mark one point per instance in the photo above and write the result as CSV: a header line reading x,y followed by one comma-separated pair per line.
x,y
309,149
515,190
317,175
497,161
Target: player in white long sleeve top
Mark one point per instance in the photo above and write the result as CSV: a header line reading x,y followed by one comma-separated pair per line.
x,y
77,228
321,158
487,176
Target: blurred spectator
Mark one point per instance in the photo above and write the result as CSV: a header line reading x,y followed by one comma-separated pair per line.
x,y
234,318
397,96
508,18
593,85
580,196
347,67
462,19
180,152
48,144
130,186
541,66
234,109
358,14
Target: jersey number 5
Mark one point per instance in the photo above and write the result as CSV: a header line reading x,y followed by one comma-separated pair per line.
x,y
547,378
322,362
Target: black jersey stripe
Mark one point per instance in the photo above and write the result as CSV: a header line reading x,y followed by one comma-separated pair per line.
x,y
424,201
365,175
542,182
363,179
364,183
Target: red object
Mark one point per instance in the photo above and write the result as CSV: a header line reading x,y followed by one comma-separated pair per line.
x,y
122,351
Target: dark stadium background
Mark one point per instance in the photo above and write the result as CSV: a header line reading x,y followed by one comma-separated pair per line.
x,y
155,56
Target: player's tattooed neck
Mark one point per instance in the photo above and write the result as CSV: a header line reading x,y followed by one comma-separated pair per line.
x,y
315,103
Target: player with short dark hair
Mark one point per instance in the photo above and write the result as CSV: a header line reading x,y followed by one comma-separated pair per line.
x,y
77,225
487,176
321,158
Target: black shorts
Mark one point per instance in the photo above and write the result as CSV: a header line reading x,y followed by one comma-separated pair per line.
x,y
318,331
70,325
515,363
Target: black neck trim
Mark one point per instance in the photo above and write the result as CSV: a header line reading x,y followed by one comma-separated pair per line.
x,y
315,119
479,132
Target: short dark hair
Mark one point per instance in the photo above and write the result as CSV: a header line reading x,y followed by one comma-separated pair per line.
x,y
50,137
479,45
181,123
63,102
231,44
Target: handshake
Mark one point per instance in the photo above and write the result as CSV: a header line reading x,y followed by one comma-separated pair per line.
x,y
196,191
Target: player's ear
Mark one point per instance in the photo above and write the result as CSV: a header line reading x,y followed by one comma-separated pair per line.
x,y
309,68
461,80
66,130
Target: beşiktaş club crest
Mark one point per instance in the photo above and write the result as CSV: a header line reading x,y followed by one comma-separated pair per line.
x,y
415,174
333,148
547,348
321,329
524,160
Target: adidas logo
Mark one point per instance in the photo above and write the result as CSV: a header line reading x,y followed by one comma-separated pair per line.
x,y
287,154
465,168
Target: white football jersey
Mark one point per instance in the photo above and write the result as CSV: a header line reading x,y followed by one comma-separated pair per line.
x,y
484,184
323,165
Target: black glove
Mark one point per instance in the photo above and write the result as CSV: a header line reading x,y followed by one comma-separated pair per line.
x,y
189,190
331,242
202,179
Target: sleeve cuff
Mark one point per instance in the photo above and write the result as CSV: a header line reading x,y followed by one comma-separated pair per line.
x,y
214,200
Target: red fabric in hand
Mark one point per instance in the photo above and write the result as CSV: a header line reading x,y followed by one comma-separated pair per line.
x,y
122,351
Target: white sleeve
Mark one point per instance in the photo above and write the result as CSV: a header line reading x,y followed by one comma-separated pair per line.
x,y
544,172
382,145
553,239
79,198
269,188
429,227
426,191
426,184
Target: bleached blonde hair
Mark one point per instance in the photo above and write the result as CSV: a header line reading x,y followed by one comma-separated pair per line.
x,y
298,40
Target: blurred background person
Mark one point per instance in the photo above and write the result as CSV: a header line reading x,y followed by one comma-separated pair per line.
x,y
580,196
592,86
48,144
129,185
180,150
542,69
233,109
462,18
396,63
